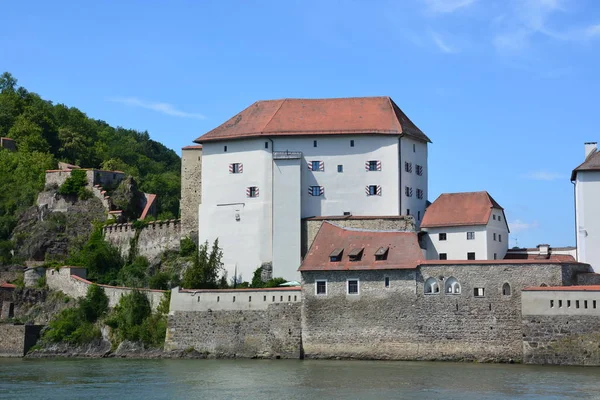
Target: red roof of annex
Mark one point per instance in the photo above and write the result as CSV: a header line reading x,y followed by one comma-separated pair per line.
x,y
297,117
460,209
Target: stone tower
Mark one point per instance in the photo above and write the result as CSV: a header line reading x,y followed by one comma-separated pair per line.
x,y
191,190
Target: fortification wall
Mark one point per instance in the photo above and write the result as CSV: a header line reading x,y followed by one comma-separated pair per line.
x,y
153,239
264,333
310,226
403,322
16,340
191,190
72,282
232,299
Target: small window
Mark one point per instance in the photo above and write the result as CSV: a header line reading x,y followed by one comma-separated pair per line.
x,y
408,191
499,218
225,149
443,256
431,286
419,194
352,286
418,215
470,235
314,143
551,303
560,304
236,168
408,211
594,304
316,166
495,256
198,299
340,168
576,303
336,255
381,253
419,170
218,298
351,143
321,288
452,286
266,145
316,190
585,304
479,292
386,282
470,256
506,289
568,303
264,298
252,191
407,166
373,190
499,237
494,217
295,298
249,299
280,298
494,236
373,165
234,299
356,254
414,148
273,298
289,298
442,236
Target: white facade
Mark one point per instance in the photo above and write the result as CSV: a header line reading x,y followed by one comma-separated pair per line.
x,y
487,242
263,229
587,217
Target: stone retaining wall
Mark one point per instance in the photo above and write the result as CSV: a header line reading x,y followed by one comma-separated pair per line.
x,y
16,340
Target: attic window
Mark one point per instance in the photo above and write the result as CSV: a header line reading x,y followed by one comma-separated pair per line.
x,y
336,255
381,253
356,253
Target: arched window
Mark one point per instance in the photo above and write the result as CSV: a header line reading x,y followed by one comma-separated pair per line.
x,y
506,289
452,286
543,285
431,286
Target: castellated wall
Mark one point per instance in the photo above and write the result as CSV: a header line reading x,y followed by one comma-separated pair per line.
x,y
153,240
251,323
71,281
561,327
403,323
191,190
16,340
398,223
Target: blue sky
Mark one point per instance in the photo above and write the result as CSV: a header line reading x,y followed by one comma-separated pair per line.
x,y
507,89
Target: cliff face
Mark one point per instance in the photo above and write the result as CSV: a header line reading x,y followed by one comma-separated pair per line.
x,y
47,231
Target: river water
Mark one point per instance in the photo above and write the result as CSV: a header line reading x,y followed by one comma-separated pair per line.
x,y
288,379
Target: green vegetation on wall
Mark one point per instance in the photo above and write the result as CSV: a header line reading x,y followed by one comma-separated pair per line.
x,y
205,269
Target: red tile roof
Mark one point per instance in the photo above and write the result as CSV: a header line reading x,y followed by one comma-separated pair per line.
x,y
149,202
7,285
294,117
192,147
591,163
499,262
550,257
404,251
582,288
460,209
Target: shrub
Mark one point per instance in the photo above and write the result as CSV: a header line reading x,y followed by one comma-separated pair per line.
x,y
41,282
160,280
74,183
187,247
102,260
205,269
134,274
84,194
128,316
275,282
95,303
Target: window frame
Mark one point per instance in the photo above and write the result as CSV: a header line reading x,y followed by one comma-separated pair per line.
x,y
340,168
478,292
419,170
442,238
471,256
317,281
444,258
373,166
234,168
252,192
320,191
471,235
408,166
348,287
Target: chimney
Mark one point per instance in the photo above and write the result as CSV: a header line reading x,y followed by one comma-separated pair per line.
x,y
544,250
590,147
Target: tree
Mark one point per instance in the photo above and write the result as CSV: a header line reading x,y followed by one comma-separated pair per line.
x,y
205,269
8,83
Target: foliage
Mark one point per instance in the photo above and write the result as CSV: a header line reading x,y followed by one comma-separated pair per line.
x,y
76,325
275,282
46,133
41,282
257,282
102,260
205,269
135,273
19,282
162,281
187,247
74,184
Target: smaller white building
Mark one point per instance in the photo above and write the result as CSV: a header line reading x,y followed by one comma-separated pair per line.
x,y
465,226
586,178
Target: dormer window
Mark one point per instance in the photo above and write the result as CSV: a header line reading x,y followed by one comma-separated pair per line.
x,y
356,254
381,254
336,255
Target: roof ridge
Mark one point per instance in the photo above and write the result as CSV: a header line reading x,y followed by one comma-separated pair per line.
x,y
264,129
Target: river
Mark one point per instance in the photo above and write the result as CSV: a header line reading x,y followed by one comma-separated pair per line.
x,y
288,379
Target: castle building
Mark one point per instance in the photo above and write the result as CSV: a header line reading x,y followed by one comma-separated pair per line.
x,y
280,161
465,226
586,178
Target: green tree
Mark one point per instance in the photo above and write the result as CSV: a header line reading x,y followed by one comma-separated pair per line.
x,y
205,269
8,83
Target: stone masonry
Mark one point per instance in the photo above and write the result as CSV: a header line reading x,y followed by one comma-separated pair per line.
x,y
191,190
16,340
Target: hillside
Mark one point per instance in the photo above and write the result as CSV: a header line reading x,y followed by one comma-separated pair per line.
x,y
46,133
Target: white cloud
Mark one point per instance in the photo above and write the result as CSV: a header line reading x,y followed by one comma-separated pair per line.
x,y
447,6
544,176
164,108
442,44
517,226
592,31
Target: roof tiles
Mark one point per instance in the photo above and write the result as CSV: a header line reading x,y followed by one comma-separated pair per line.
x,y
591,163
460,209
297,117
